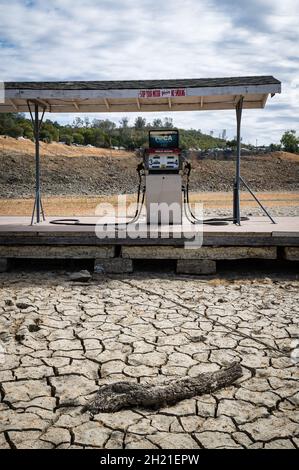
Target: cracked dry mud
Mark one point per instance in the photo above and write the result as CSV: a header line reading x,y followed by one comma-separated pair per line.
x,y
60,339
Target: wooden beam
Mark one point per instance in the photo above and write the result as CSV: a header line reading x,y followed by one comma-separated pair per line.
x,y
75,252
107,104
76,105
236,99
138,103
169,103
132,107
56,238
46,104
201,101
43,103
214,253
264,100
13,105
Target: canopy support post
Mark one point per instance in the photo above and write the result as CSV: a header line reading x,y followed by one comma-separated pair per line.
x,y
238,177
236,207
36,124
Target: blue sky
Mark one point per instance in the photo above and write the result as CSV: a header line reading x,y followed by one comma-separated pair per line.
x,y
149,39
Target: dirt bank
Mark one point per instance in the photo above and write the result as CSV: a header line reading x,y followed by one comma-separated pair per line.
x,y
93,171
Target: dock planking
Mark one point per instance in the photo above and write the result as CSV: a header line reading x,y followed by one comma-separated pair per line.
x,y
256,238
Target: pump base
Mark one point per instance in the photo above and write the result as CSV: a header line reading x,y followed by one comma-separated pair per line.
x,y
163,199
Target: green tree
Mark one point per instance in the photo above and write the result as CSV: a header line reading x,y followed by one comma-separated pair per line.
x,y
49,128
290,141
78,122
139,123
274,147
45,136
125,135
103,130
157,123
27,129
6,121
231,143
99,138
88,136
15,131
67,138
78,138
168,123
124,122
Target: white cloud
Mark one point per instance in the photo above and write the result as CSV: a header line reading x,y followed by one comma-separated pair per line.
x,y
112,39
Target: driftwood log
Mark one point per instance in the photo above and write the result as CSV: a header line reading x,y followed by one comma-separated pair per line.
x,y
115,396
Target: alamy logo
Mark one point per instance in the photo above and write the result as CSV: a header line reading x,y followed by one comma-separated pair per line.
x,y
114,222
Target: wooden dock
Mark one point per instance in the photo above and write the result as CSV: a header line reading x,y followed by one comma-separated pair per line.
x,y
116,250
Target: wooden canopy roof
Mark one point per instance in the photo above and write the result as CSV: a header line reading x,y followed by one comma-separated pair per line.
x,y
140,95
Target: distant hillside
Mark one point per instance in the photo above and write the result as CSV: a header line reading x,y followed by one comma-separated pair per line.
x,y
103,133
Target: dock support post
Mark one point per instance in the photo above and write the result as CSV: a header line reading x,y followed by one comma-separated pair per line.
x,y
36,123
3,265
196,266
113,265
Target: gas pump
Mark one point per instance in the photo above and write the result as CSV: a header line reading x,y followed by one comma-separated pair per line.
x,y
163,163
163,185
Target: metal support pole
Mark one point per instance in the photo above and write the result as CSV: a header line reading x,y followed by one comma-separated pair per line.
x,y
37,207
238,177
236,207
37,163
257,200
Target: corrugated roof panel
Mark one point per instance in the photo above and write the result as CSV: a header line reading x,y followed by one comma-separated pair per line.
x,y
140,84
